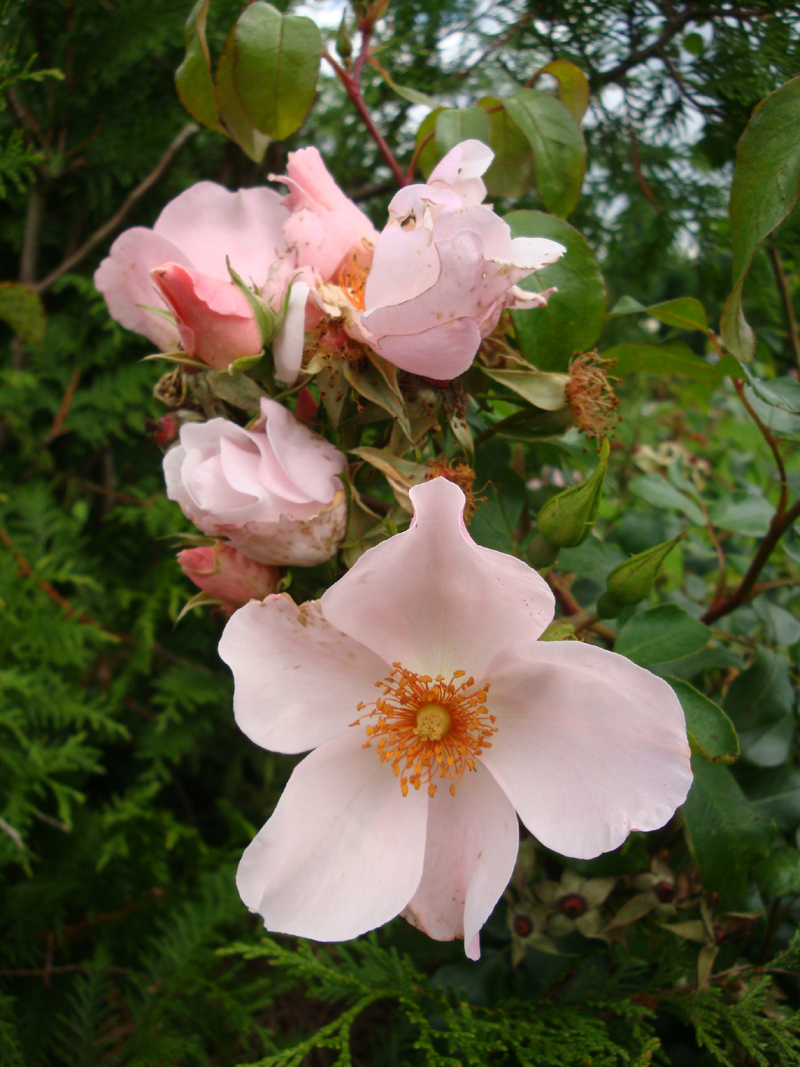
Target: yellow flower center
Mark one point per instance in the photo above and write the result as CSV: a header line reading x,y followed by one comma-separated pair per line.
x,y
428,727
353,281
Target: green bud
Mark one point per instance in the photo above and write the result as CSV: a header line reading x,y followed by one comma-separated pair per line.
x,y
541,553
566,520
632,580
344,44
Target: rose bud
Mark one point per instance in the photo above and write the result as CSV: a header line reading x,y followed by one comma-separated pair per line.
x,y
223,572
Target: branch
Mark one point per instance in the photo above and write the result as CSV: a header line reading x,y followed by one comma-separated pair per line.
x,y
351,87
786,301
671,27
738,385
116,220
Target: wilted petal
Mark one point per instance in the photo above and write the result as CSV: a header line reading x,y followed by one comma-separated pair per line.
x,y
294,542
287,348
343,852
435,601
589,746
471,848
123,279
208,222
298,679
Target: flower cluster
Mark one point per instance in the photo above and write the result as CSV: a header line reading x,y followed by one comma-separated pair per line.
x,y
434,713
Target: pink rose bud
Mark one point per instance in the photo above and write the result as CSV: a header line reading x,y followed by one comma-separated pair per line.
x,y
273,491
223,572
214,320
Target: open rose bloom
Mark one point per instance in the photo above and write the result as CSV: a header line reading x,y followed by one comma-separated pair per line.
x,y
444,269
435,716
274,491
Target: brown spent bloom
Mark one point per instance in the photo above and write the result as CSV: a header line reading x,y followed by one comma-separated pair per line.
x,y
462,476
590,394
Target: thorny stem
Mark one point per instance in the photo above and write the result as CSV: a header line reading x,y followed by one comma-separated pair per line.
x,y
353,90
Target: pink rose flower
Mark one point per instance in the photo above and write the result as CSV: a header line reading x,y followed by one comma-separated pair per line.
x,y
180,266
273,491
444,268
325,227
435,716
223,572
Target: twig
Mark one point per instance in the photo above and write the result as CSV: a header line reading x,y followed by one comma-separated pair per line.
x,y
116,220
412,166
671,27
786,300
58,422
353,90
13,833
738,385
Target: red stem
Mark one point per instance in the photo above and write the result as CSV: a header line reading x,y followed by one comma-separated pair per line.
x,y
353,90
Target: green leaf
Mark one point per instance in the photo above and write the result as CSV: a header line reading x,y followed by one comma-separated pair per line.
x,y
775,794
712,735
238,390
663,494
23,311
660,635
276,68
511,172
727,837
542,389
745,514
236,122
672,357
573,88
779,874
495,522
765,187
429,156
413,96
193,80
574,317
686,313
454,126
760,701
559,151
377,381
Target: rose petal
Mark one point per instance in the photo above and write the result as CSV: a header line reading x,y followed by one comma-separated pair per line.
x,y
310,463
295,541
589,746
208,222
287,348
470,852
405,264
442,352
435,601
123,280
276,648
343,852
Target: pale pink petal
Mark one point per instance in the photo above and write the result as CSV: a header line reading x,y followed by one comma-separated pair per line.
x,y
435,601
467,285
535,253
123,280
298,680
405,264
312,186
443,352
588,747
468,159
343,852
311,463
321,241
470,852
287,348
208,222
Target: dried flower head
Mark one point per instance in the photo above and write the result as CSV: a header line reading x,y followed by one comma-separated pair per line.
x,y
462,476
591,396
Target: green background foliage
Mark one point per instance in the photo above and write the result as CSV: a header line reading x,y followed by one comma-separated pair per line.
x,y
126,792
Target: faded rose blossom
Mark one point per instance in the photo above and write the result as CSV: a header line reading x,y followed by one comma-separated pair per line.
x,y
445,267
225,573
433,712
187,248
325,228
273,491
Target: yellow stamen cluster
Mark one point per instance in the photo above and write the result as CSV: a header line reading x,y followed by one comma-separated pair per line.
x,y
353,280
428,727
